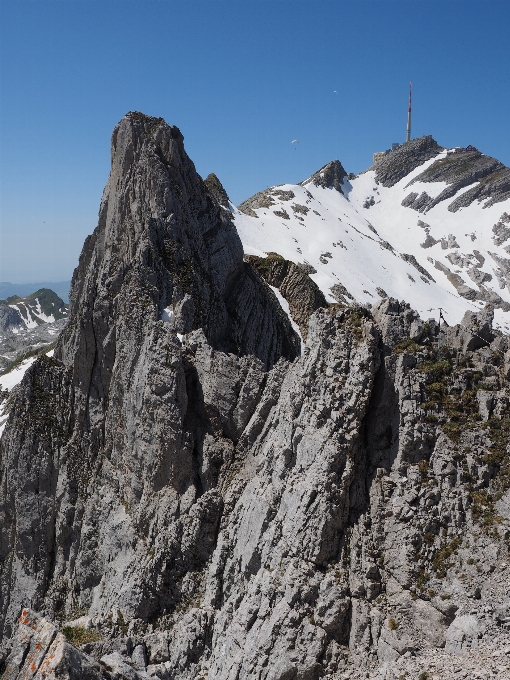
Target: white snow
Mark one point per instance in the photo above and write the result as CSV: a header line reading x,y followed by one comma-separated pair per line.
x,y
336,239
3,419
285,306
14,377
167,315
28,312
41,315
8,382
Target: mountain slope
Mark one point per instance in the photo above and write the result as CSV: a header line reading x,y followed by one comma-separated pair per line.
x,y
29,325
18,314
61,288
123,397
426,225
192,496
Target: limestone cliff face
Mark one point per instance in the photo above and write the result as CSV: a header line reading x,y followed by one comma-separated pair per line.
x,y
302,294
114,443
207,501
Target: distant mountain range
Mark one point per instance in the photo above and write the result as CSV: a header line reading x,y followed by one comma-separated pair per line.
x,y
61,288
23,313
29,324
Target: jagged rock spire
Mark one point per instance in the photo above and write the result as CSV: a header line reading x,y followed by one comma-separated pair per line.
x,y
216,189
330,176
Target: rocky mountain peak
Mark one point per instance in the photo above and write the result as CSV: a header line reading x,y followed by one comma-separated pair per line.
x,y
162,242
398,163
330,176
18,313
160,297
29,324
216,190
190,495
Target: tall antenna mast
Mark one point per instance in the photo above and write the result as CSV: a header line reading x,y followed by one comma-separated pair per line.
x,y
408,138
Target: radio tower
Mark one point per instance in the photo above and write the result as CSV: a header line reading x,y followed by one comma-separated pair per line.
x,y
408,138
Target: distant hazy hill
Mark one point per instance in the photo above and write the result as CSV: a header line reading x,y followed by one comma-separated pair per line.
x,y
30,311
7,289
29,324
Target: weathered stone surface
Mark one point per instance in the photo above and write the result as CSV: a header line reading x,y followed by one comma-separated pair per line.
x,y
202,500
98,480
215,188
463,633
331,176
302,294
400,162
39,650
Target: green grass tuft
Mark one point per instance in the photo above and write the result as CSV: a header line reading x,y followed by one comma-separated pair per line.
x,y
78,635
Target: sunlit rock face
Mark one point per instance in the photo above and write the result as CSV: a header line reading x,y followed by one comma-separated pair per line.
x,y
188,489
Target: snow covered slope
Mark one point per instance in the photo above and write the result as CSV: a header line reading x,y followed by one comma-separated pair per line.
x,y
18,314
395,230
29,323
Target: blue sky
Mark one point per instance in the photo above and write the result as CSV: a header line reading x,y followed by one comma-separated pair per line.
x,y
241,80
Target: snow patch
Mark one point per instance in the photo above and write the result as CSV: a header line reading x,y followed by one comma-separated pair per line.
x,y
167,315
8,382
14,377
285,306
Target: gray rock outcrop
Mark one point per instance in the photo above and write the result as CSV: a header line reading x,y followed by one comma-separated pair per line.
x,y
39,650
204,500
9,318
215,188
330,176
491,180
262,199
114,440
265,199
398,163
302,294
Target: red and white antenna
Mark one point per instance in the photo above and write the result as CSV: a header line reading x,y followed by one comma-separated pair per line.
x,y
408,138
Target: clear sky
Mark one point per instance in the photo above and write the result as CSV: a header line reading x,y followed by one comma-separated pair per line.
x,y
241,79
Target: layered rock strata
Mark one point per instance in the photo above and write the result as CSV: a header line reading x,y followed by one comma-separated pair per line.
x,y
331,176
111,449
209,502
303,295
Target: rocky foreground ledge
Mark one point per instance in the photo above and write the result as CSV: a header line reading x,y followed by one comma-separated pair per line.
x,y
40,650
420,585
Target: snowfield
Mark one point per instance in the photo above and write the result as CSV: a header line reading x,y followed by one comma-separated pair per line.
x,y
358,239
33,317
